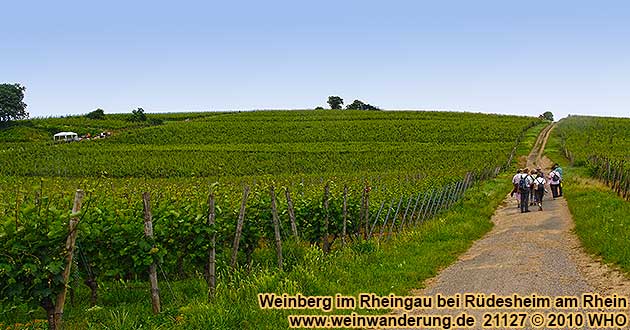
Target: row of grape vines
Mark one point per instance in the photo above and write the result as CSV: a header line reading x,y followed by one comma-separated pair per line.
x,y
279,143
602,144
189,235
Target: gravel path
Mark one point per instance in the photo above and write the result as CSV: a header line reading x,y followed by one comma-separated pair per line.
x,y
527,253
524,252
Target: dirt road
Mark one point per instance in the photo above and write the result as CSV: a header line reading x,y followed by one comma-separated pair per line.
x,y
528,253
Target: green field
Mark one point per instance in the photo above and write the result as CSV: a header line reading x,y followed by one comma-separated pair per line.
x,y
600,144
42,129
391,163
281,143
601,214
587,136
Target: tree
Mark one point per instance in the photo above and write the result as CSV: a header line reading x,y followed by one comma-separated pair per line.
x,y
319,108
547,116
356,105
12,106
96,114
360,105
335,102
138,115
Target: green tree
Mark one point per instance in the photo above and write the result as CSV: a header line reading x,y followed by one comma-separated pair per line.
x,y
547,115
96,114
335,102
138,115
360,105
356,105
12,106
319,108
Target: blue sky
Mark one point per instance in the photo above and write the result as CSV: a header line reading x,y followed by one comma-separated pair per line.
x,y
525,57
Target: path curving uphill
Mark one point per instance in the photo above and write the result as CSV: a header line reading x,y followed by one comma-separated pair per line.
x,y
527,253
534,158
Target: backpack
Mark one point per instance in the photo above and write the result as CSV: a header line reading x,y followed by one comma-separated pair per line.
x,y
555,176
522,184
539,185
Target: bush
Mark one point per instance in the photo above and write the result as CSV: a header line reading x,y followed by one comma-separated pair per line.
x,y
138,115
155,121
96,114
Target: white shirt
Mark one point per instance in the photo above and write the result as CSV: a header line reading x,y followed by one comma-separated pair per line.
x,y
528,179
554,182
540,180
516,178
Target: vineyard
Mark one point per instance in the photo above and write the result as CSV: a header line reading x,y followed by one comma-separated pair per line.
x,y
231,194
41,129
281,143
603,145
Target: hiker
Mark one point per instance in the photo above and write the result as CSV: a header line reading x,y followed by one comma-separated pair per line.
x,y
515,192
537,173
524,185
532,195
555,179
539,188
559,170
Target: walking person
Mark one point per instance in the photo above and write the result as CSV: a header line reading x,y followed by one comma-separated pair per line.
x,y
539,188
535,175
554,182
532,195
515,191
524,185
558,169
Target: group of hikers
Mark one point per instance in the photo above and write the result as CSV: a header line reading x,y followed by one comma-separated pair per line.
x,y
529,187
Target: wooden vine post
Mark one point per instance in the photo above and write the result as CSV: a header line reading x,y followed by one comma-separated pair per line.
x,y
367,210
239,227
148,232
325,242
212,252
361,210
345,215
291,214
276,227
70,241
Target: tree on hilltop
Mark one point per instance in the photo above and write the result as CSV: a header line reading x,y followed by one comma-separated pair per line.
x,y
360,105
12,106
547,116
96,114
335,102
138,115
